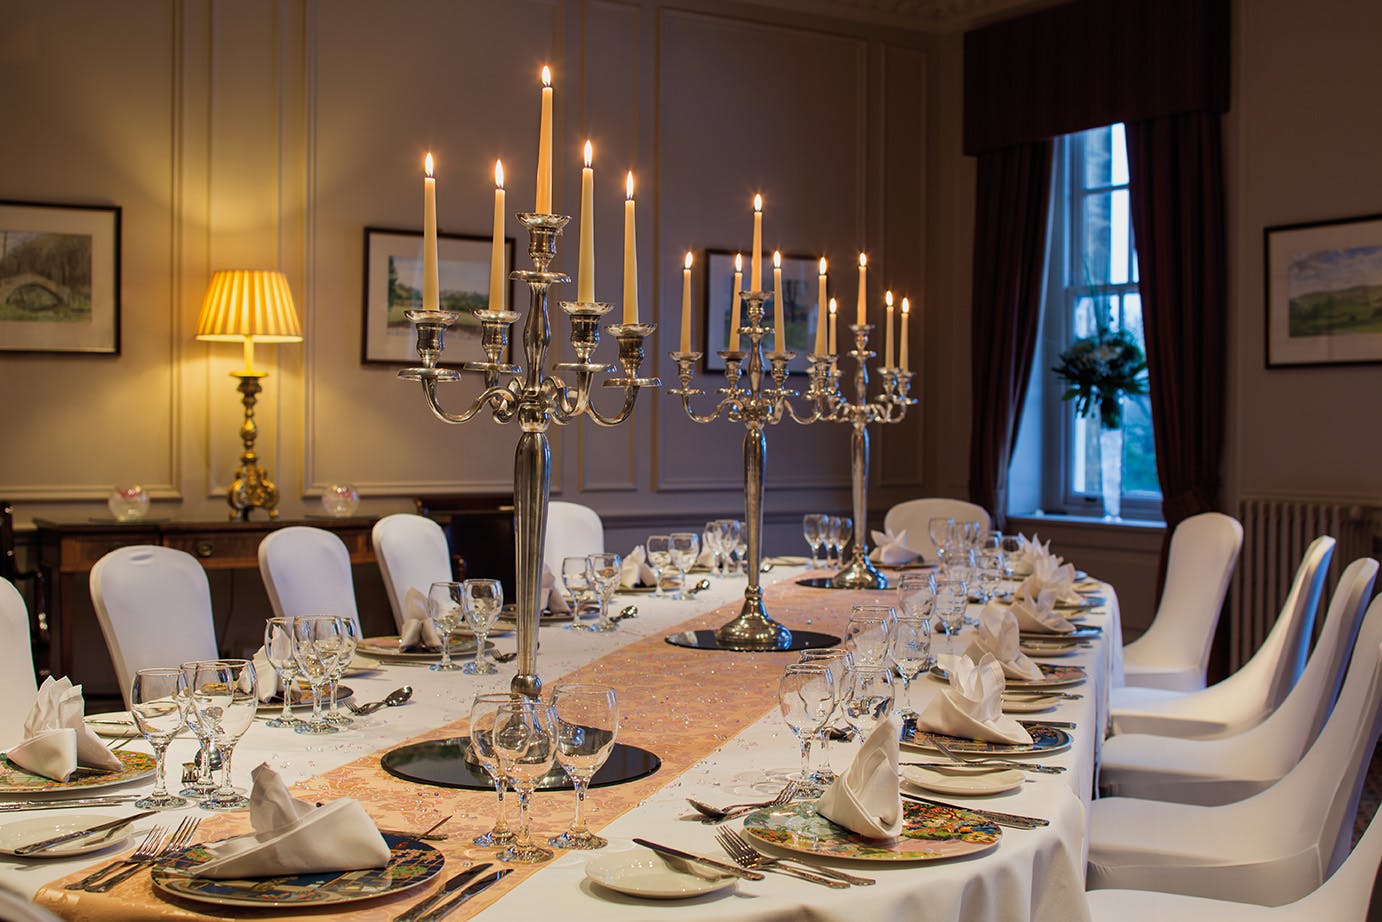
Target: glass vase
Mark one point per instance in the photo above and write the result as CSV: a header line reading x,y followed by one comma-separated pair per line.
x,y
1111,470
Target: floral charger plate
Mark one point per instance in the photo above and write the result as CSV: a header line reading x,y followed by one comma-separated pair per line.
x,y
1051,677
386,649
134,766
1046,740
410,863
928,833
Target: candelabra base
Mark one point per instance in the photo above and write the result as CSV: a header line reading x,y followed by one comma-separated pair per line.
x,y
707,640
860,574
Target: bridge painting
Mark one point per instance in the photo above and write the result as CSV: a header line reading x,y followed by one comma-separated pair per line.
x,y
45,277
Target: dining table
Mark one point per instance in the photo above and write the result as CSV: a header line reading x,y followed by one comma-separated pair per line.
x,y
712,718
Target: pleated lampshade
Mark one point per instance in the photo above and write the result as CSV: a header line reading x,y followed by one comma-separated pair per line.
x,y
249,304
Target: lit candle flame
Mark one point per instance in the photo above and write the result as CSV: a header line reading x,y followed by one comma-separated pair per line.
x,y
832,307
906,307
628,184
546,75
863,260
888,298
688,259
427,165
738,262
777,259
589,153
499,174
757,203
822,265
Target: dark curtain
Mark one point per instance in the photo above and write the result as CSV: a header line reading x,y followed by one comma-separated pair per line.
x,y
1012,201
1176,170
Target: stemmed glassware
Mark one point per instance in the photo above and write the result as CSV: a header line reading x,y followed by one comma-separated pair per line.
x,y
484,600
870,698
316,647
525,744
910,652
579,580
586,719
952,599
482,712
806,697
990,572
605,569
225,696
446,609
844,529
841,663
739,562
347,639
811,529
156,705
278,649
204,785
867,634
1011,546
713,540
659,549
939,530
916,595
686,548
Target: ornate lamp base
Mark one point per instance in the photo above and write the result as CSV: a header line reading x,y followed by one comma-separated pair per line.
x,y
251,488
860,574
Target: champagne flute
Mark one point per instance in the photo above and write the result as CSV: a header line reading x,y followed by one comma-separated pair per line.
x,y
841,663
316,646
278,650
659,549
347,639
525,744
482,712
445,608
586,720
806,698
910,652
225,695
156,706
579,581
484,600
870,698
686,548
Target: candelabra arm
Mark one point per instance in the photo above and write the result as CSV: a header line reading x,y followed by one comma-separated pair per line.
x,y
609,422
501,399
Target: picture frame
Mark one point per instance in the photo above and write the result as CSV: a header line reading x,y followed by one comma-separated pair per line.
x,y
800,287
1324,292
393,285
59,278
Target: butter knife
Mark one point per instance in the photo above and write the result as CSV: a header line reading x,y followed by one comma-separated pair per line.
x,y
484,882
732,869
41,846
423,906
21,806
993,816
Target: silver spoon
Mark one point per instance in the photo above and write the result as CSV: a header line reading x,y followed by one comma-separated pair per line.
x,y
628,611
701,586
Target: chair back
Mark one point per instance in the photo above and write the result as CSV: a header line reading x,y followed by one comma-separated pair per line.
x,y
1278,663
915,517
573,530
18,686
412,554
306,571
154,606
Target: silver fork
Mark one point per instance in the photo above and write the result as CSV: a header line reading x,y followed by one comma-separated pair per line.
x,y
754,861
179,838
731,839
962,759
714,814
147,851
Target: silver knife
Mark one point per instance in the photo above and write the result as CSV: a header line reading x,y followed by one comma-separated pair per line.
x,y
20,806
412,915
45,844
731,869
445,908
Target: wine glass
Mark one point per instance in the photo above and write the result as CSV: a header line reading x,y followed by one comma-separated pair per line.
x,y
910,652
844,529
741,546
203,786
867,633
347,639
446,609
482,711
316,647
952,599
990,573
811,527
915,595
579,581
525,744
278,649
686,548
806,697
841,663
156,706
225,696
659,548
939,529
712,539
484,600
586,720
1012,550
870,698
605,568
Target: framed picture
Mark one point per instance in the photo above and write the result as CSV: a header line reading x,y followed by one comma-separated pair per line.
x,y
393,286
59,278
799,292
1324,292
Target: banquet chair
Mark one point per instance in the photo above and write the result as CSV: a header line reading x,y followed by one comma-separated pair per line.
x,y
1271,848
14,907
412,554
1243,699
154,607
306,571
573,530
1221,771
1174,652
17,683
915,516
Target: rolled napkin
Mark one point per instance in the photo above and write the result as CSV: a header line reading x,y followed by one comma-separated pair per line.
x,y
1038,615
865,797
1050,573
551,596
972,707
891,549
997,635
418,630
635,572
293,837
56,739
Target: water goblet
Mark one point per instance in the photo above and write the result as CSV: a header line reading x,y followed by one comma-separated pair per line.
x,y
605,569
952,599
659,548
686,548
204,785
482,711
867,633
525,744
811,528
915,595
939,530
806,698
225,696
484,600
278,649
316,647
910,652
347,639
586,720
990,573
156,705
841,663
870,698
446,609
579,580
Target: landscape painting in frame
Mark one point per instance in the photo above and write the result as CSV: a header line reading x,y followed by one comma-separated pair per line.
x,y
59,278
393,286
1324,292
800,289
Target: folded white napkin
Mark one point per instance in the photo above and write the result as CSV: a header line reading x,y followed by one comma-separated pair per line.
x,y
1037,614
635,572
865,797
56,739
972,707
707,556
550,597
1050,573
267,675
1033,549
891,549
418,630
293,837
997,635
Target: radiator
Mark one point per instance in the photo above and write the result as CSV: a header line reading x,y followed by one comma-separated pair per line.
x,y
1276,533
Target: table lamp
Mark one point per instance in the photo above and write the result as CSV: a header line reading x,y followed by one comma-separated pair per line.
x,y
248,306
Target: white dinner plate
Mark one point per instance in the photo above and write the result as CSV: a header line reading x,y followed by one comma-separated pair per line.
x,y
640,872
966,783
36,828
116,725
1029,705
359,664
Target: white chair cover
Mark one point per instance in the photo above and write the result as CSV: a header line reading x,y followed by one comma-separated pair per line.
x,y
154,606
1250,694
915,516
1271,848
18,686
1174,653
306,571
573,530
15,908
1225,770
412,554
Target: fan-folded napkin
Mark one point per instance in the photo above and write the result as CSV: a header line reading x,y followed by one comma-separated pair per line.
x,y
56,739
293,837
972,707
635,572
865,798
1050,573
891,549
1032,550
1038,614
997,635
418,630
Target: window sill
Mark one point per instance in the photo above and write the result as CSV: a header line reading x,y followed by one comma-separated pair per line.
x,y
1146,526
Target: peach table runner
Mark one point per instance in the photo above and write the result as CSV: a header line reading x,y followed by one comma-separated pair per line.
x,y
681,704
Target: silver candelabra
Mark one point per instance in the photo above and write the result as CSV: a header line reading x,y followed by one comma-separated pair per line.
x,y
536,398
